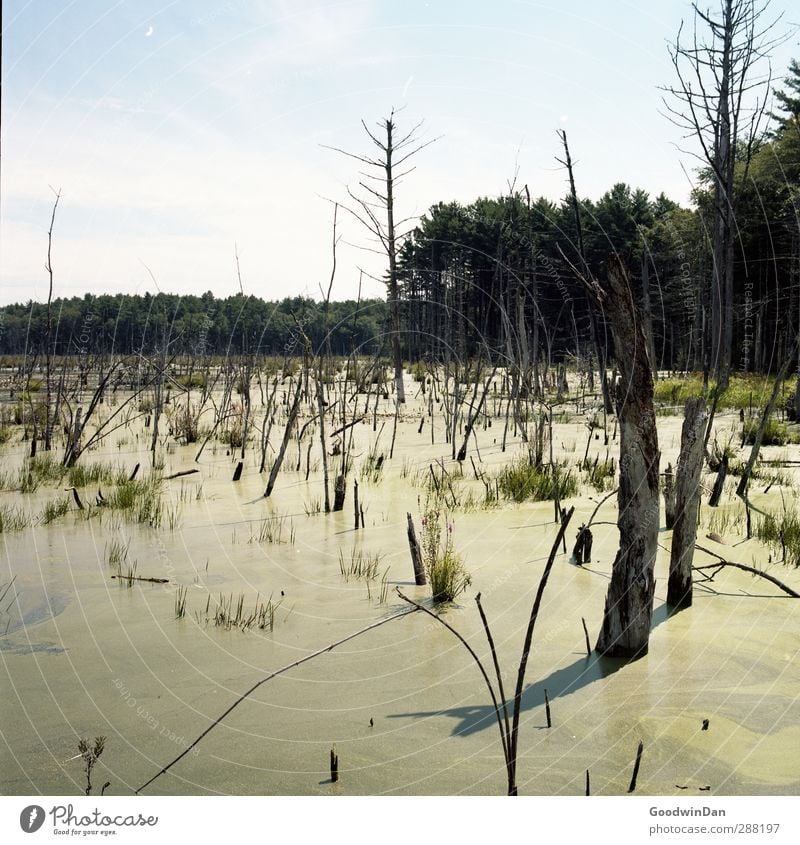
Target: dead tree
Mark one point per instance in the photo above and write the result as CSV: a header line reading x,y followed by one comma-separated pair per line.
x,y
374,209
715,100
49,420
629,602
287,434
687,501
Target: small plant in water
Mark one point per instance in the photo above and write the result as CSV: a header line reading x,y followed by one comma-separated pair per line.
x,y
54,509
361,564
443,565
180,602
90,755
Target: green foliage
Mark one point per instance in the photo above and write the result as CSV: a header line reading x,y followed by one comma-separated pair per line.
x,y
12,518
139,501
776,433
444,566
54,509
98,472
781,531
523,480
600,474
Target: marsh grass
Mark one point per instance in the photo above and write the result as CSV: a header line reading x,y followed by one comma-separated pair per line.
x,y
360,565
117,552
180,601
98,472
313,506
53,510
600,474
744,391
725,521
12,518
139,501
523,480
776,433
230,613
372,468
781,531
128,576
42,469
275,528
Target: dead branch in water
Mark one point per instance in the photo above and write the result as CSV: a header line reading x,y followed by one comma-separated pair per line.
x,y
269,677
723,563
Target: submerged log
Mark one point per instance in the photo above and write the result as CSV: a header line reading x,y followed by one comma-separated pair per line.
x,y
687,501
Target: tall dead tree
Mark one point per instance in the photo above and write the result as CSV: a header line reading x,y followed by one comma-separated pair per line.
x,y
49,421
629,602
717,101
599,349
374,207
687,502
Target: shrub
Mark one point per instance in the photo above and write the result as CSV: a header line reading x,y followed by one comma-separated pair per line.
x,y
443,565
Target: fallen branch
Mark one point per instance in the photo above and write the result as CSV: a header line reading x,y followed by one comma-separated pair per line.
x,y
723,563
180,474
140,578
269,677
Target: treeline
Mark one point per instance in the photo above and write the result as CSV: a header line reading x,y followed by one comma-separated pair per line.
x,y
501,276
200,325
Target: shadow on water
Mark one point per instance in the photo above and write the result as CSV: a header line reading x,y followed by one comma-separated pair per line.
x,y
562,682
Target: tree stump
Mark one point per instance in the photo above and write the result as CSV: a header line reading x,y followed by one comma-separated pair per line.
x,y
713,500
339,492
669,497
416,553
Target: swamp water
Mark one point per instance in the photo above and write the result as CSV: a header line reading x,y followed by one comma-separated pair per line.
x,y
85,655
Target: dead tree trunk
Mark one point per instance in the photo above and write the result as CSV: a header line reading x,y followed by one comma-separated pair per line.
x,y
687,500
290,423
629,602
669,497
416,553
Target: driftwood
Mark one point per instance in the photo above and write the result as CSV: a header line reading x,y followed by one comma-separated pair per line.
x,y
140,578
687,502
181,474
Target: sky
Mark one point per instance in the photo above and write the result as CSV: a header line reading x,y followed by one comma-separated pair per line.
x,y
182,134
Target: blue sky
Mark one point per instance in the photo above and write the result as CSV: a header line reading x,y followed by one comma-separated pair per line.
x,y
179,132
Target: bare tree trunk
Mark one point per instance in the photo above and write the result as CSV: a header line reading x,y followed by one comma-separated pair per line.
x,y
276,467
690,464
629,602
